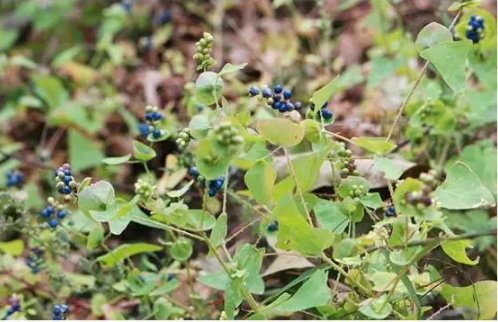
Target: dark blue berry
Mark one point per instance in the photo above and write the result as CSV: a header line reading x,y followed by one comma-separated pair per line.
x,y
66,190
53,223
171,276
312,106
282,107
46,213
218,184
287,94
290,106
325,105
164,17
67,179
157,116
194,172
253,91
266,92
156,133
143,129
273,226
277,89
10,311
64,308
61,214
326,114
212,192
149,116
277,98
274,105
57,309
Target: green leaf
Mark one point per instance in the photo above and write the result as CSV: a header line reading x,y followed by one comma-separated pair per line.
x,y
462,189
307,168
249,259
143,152
281,132
126,250
456,250
260,179
51,90
199,127
329,216
164,135
95,236
117,160
96,196
8,38
323,95
230,68
219,231
431,35
162,309
375,308
181,249
169,287
449,59
294,231
460,4
13,247
481,159
196,217
83,153
345,248
208,88
372,200
211,164
375,145
314,292
480,298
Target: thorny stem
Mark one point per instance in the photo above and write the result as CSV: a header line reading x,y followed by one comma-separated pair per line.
x,y
299,191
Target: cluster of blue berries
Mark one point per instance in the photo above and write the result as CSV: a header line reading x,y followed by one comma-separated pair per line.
x,y
475,28
390,211
273,226
14,306
35,260
324,111
60,312
53,212
214,185
278,99
14,178
65,182
152,119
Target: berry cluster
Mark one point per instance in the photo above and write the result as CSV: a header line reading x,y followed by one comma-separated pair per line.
x,y
390,211
357,191
346,162
60,312
144,189
228,135
475,29
278,99
183,139
214,185
14,178
325,113
429,179
203,50
35,260
53,212
422,199
14,306
65,182
273,226
152,117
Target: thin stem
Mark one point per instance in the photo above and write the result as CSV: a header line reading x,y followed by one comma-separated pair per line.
x,y
298,189
338,136
405,103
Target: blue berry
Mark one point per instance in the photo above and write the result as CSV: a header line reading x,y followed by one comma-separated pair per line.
x,y
266,92
312,106
149,116
273,226
325,105
171,276
45,213
10,311
390,211
287,94
253,91
212,192
66,190
143,129
156,133
326,114
277,89
277,98
298,104
274,105
64,308
57,309
53,223
67,179
218,184
61,214
164,17
194,172
290,106
50,209
157,116
282,106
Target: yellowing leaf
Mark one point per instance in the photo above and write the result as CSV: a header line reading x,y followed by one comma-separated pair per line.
x,y
456,250
281,132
